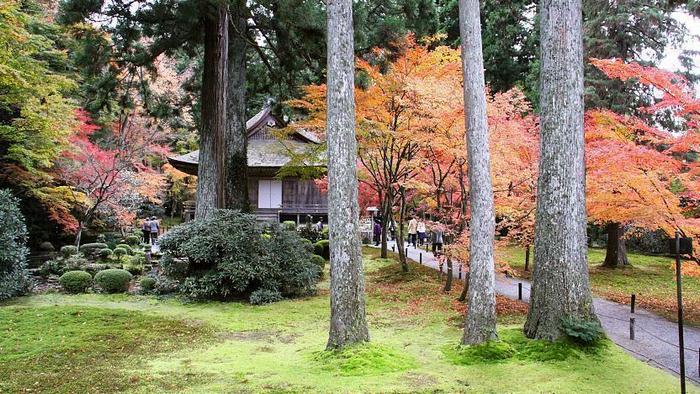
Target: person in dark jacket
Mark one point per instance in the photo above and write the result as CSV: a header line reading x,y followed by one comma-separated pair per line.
x,y
154,229
377,233
146,230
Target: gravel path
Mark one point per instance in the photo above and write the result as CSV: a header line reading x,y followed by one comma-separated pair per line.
x,y
656,338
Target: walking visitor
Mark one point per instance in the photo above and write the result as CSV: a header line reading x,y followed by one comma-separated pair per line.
x,y
154,229
438,232
377,233
146,230
421,231
412,231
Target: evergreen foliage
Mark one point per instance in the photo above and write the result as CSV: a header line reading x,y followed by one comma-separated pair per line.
x,y
14,279
230,256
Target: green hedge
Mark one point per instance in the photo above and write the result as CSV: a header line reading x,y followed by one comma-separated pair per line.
x,y
322,248
113,280
75,281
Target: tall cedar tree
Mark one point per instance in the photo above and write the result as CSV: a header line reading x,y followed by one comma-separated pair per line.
x,y
481,318
236,132
348,323
211,171
560,280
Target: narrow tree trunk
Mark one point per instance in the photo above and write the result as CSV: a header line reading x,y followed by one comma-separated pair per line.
x,y
465,289
348,322
560,285
236,132
211,171
448,282
480,325
527,258
403,258
616,253
386,208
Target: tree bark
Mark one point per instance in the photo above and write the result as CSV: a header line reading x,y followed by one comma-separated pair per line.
x,y
236,159
348,323
480,324
211,171
560,285
616,253
448,282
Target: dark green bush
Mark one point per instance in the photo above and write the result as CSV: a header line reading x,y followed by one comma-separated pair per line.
x,y
586,332
147,284
230,255
322,248
46,247
105,253
265,296
74,263
14,277
89,248
289,225
68,250
101,238
75,281
319,261
325,232
126,247
309,232
308,245
120,252
133,240
113,280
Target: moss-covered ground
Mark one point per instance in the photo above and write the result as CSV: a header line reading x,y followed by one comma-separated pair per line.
x,y
119,343
650,277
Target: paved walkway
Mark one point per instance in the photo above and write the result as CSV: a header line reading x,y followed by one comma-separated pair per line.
x,y
656,338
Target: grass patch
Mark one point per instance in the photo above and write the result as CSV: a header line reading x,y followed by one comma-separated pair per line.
x,y
142,344
364,359
651,277
64,348
512,345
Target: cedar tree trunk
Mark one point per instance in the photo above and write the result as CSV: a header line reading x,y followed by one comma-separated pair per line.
x,y
236,132
480,325
616,253
348,322
560,286
211,172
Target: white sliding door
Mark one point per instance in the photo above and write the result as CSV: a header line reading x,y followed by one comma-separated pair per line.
x,y
269,193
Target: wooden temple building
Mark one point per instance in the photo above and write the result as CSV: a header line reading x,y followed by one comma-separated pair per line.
x,y
273,199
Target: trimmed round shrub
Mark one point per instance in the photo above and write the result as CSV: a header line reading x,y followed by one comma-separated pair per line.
x,y
68,250
46,246
14,277
105,253
74,263
147,284
133,240
89,248
101,238
325,232
308,245
126,247
289,225
75,282
318,260
113,280
264,296
119,252
230,256
322,248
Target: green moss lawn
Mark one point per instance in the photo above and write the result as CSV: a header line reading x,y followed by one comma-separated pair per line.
x,y
651,277
118,343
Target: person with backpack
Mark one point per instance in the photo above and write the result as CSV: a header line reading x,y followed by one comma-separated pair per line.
x,y
154,227
146,230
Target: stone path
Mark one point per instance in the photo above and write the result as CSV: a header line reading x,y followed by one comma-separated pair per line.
x,y
656,338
